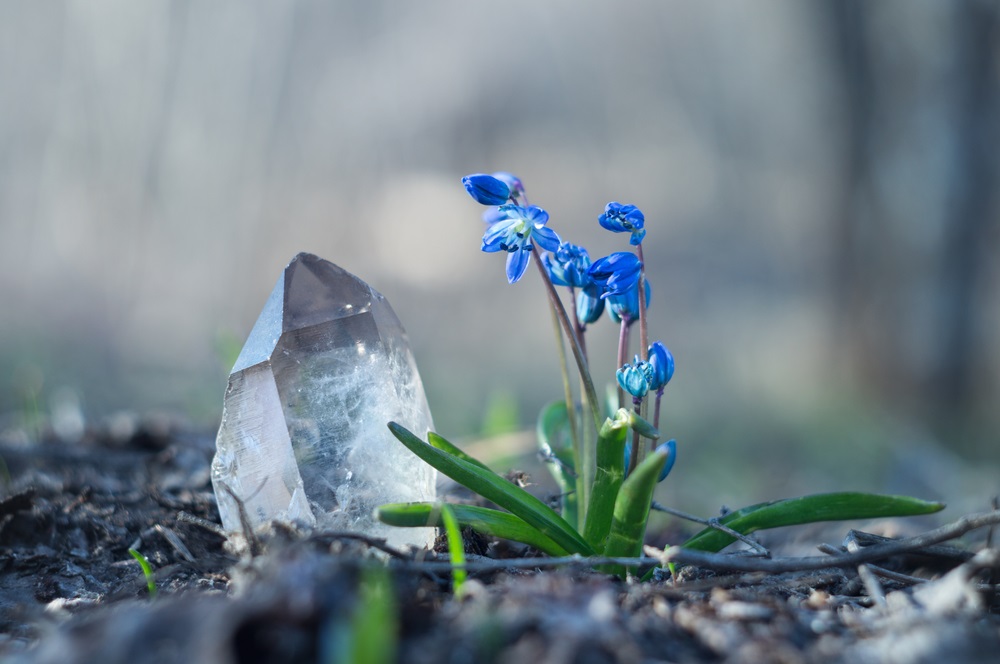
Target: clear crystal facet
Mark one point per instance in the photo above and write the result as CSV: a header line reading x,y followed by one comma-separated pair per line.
x,y
303,434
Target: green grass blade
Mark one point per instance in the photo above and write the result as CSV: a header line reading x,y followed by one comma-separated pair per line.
x,y
481,519
809,509
446,446
607,480
491,486
628,528
456,548
553,438
147,571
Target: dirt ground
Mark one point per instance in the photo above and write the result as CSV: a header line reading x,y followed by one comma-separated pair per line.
x,y
71,592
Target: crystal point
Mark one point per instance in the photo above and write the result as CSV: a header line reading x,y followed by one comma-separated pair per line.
x,y
303,435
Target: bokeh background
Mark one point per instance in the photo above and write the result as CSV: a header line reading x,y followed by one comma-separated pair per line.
x,y
819,181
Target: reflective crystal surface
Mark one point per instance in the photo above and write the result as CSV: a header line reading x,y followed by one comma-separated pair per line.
x,y
303,434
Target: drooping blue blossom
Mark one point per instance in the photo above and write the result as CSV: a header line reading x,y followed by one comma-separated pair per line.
x,y
515,233
616,273
568,266
620,218
670,449
589,306
626,305
662,361
632,379
486,189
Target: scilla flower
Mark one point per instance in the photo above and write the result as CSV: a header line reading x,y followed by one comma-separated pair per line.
x,y
634,378
662,361
620,218
616,273
486,189
626,305
515,232
568,266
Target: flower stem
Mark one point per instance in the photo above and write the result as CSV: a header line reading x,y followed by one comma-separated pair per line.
x,y
574,432
588,459
643,331
581,361
634,460
581,329
622,357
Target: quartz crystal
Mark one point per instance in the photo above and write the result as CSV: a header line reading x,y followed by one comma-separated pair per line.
x,y
303,435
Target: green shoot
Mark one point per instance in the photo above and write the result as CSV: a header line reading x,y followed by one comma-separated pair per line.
x,y
147,571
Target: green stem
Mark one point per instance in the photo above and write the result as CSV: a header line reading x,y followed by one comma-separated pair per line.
x,y
581,361
637,451
581,329
622,357
643,331
582,488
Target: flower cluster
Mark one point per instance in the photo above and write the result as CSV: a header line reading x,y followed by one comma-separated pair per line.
x,y
615,283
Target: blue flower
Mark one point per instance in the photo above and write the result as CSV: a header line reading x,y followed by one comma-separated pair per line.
x,y
626,305
514,233
620,218
616,273
589,306
568,266
668,448
632,379
486,189
662,361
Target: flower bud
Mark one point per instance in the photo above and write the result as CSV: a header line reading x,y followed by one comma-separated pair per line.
x,y
486,189
662,362
632,380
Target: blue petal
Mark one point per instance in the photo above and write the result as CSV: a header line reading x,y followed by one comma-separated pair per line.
x,y
637,237
517,263
535,215
486,189
610,223
493,214
670,449
557,273
588,308
497,234
545,237
662,361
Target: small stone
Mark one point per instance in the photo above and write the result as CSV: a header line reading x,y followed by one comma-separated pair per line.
x,y
303,435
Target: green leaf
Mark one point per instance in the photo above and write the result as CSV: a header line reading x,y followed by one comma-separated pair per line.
x,y
553,438
607,480
809,509
456,548
493,487
628,528
147,571
446,446
481,519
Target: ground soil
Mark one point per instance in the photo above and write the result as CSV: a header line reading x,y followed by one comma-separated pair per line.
x,y
71,592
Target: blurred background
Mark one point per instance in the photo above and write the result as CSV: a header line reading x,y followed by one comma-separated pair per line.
x,y
819,181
